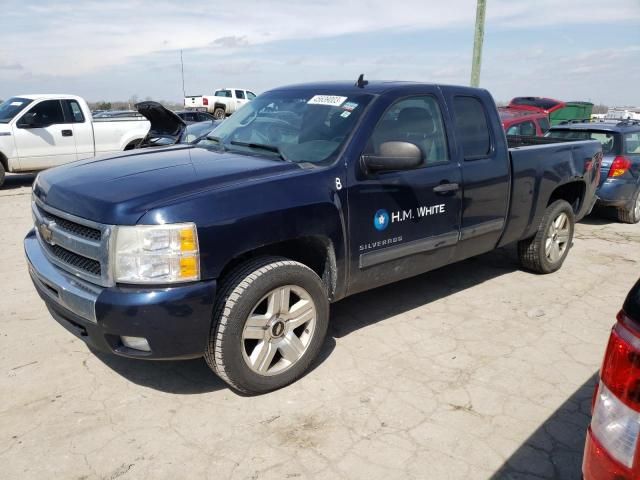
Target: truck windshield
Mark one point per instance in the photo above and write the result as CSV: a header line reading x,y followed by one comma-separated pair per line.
x,y
610,141
297,125
10,108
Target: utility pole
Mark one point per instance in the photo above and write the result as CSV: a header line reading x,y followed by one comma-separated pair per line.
x,y
477,44
182,69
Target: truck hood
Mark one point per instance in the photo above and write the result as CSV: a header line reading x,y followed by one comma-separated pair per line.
x,y
166,126
119,190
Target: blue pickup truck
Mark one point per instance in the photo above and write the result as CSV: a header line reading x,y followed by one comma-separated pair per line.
x,y
234,248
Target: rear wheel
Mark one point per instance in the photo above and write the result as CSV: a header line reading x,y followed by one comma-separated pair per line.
x,y
631,214
269,325
219,113
2,174
546,251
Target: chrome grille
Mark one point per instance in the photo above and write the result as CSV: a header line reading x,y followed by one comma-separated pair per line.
x,y
74,244
72,227
75,260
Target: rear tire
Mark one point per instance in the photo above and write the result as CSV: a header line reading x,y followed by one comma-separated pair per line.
x,y
546,251
631,214
2,174
219,113
269,324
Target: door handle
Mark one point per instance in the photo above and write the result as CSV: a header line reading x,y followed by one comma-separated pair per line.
x,y
67,133
446,188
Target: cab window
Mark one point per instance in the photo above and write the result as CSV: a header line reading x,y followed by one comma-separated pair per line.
x,y
223,93
471,127
240,94
250,95
415,120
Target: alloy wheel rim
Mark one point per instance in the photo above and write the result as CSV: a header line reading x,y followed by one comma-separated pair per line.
x,y
278,331
637,209
557,239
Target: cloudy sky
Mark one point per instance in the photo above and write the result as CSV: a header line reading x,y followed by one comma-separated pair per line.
x,y
111,50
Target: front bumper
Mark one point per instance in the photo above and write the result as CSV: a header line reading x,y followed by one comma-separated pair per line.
x,y
616,192
175,320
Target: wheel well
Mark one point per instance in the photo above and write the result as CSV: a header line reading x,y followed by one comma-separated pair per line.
x,y
132,144
572,192
315,252
220,105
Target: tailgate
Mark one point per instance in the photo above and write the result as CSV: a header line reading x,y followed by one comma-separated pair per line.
x,y
193,102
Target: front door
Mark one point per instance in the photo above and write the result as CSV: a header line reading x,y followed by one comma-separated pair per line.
x,y
403,223
43,138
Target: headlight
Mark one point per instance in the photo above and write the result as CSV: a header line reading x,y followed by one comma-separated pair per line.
x,y
157,254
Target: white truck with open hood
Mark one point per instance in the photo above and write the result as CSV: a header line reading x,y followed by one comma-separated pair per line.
x,y
43,131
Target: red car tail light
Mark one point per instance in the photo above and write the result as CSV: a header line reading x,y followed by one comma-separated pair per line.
x,y
612,440
621,367
205,101
619,166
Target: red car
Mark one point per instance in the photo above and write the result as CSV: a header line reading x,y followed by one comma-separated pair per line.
x,y
516,121
611,450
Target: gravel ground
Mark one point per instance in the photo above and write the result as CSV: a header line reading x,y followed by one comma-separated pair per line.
x,y
478,370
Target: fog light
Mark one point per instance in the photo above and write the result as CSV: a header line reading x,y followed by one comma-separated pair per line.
x,y
137,343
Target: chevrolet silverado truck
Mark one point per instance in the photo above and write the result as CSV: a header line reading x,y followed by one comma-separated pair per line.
x,y
43,131
235,247
222,103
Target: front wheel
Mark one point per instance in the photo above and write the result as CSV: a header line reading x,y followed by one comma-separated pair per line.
x,y
2,174
269,324
546,251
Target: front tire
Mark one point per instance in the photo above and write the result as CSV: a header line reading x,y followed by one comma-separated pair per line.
x,y
546,251
631,214
269,324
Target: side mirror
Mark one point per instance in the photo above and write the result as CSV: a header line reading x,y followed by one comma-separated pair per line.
x,y
394,156
28,120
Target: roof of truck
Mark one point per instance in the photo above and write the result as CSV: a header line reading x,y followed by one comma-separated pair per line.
x,y
40,96
373,86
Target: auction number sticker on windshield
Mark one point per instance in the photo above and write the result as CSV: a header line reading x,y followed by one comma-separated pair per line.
x,y
331,100
16,104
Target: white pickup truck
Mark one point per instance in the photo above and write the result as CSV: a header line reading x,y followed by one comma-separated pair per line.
x,y
43,131
222,103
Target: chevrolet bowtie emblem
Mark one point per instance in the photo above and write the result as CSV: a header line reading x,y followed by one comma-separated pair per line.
x,y
46,233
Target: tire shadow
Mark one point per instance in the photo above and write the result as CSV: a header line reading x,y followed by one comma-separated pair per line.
x,y
14,181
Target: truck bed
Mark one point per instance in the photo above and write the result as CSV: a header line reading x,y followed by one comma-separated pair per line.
x,y
538,166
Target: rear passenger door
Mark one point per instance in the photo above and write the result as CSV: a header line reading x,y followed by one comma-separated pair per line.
x,y
404,222
483,154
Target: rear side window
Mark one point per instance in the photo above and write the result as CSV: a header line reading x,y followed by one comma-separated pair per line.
x,y
223,93
632,143
240,94
73,111
471,127
610,141
527,128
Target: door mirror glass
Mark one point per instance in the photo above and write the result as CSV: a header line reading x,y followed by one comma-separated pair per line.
x,y
29,120
394,156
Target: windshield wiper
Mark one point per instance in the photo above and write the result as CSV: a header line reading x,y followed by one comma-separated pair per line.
x,y
261,146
